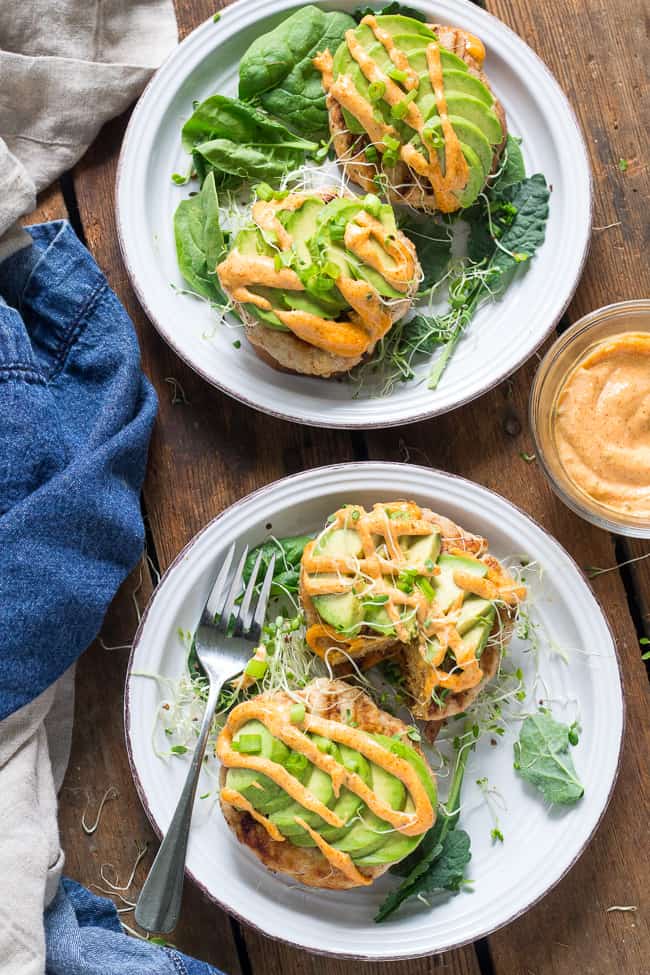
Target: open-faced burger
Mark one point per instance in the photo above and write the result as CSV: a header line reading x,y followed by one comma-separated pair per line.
x,y
412,113
323,786
402,582
319,278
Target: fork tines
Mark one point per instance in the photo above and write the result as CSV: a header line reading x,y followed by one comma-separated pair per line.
x,y
222,609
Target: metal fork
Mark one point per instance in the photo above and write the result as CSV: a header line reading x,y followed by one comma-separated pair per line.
x,y
223,648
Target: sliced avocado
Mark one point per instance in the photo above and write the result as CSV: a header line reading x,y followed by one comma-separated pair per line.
x,y
395,847
387,787
469,134
377,618
301,225
343,610
319,784
301,301
250,241
477,638
474,610
476,179
446,589
364,836
402,750
456,82
421,549
243,780
354,761
472,110
476,111
415,49
377,281
340,543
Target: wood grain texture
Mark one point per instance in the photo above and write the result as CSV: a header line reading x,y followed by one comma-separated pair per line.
x,y
638,550
597,50
210,451
50,205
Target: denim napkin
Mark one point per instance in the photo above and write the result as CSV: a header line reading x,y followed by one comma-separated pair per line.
x,y
76,415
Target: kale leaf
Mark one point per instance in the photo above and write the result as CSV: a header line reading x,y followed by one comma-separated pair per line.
x,y
391,9
440,860
278,68
513,168
288,553
200,243
515,218
542,758
432,242
505,233
238,141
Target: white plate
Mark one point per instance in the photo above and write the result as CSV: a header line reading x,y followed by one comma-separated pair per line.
x,y
539,846
501,337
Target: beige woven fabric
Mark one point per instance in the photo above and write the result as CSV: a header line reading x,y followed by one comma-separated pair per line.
x,y
66,67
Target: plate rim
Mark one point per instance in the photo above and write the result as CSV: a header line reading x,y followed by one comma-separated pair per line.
x,y
360,466
364,423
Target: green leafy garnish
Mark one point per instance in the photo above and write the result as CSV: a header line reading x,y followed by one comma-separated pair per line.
x,y
288,553
237,141
278,68
432,242
513,168
623,165
542,758
440,860
200,243
392,9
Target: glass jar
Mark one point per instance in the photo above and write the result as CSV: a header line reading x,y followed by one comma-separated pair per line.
x,y
559,362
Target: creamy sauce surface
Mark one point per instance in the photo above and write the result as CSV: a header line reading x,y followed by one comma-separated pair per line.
x,y
601,424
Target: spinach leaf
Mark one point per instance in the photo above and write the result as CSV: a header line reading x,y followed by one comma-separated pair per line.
x,y
542,758
200,243
278,68
513,169
288,553
432,242
391,9
440,860
238,142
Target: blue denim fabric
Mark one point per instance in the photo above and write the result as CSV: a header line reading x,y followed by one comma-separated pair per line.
x,y
76,415
84,937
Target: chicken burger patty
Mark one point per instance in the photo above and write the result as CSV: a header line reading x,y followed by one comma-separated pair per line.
x,y
324,786
319,278
412,113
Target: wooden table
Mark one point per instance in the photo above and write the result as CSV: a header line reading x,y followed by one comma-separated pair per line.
x,y
210,451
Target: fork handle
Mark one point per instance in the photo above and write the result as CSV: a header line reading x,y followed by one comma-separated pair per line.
x,y
159,904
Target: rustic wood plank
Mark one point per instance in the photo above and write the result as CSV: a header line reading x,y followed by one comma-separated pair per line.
x,y
639,572
597,50
50,205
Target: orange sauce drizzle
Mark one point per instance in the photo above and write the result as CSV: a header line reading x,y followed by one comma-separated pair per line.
x,y
239,801
445,184
358,235
369,320
378,574
276,719
398,57
342,861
